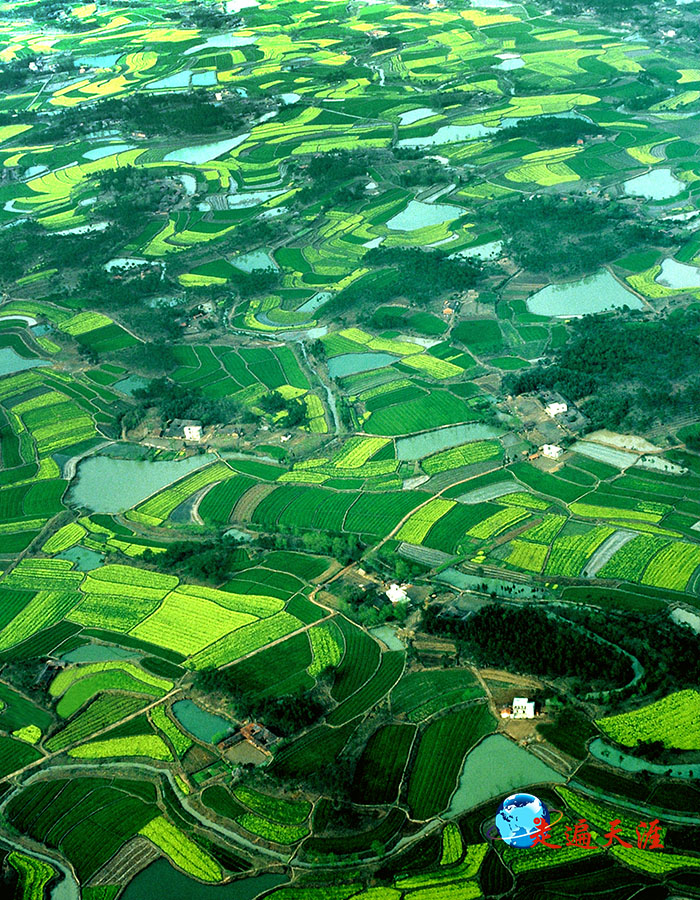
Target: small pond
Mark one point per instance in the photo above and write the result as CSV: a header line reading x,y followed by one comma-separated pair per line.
x,y
105,485
204,79
491,250
659,184
678,275
495,768
107,150
510,63
420,215
189,182
222,40
415,115
387,634
11,361
161,880
352,363
251,198
255,259
126,262
130,384
463,582
97,653
628,763
29,320
202,724
594,294
290,98
98,62
419,445
447,134
85,560
204,153
313,303
234,6
176,80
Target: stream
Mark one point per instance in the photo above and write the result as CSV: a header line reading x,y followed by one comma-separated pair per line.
x,y
329,393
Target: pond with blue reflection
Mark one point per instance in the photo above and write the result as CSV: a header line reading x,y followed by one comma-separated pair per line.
x,y
659,184
202,724
11,361
352,363
421,215
204,153
678,276
105,485
594,294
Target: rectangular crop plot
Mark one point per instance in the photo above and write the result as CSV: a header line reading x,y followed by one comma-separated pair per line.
x,y
246,640
389,671
428,411
415,529
379,514
673,566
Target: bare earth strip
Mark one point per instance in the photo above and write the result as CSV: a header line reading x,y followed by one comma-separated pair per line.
x,y
607,550
134,856
246,506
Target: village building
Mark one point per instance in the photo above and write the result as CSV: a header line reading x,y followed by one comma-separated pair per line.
x,y
522,708
259,736
556,408
396,594
184,429
552,451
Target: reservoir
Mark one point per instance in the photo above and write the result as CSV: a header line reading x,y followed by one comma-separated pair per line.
x,y
352,363
202,724
11,361
203,153
495,768
420,215
659,184
594,294
419,445
160,879
105,485
678,276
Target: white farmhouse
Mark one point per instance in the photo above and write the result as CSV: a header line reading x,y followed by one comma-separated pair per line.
x,y
523,708
185,429
555,409
552,451
396,594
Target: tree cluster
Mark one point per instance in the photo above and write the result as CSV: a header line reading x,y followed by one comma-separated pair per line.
x,y
214,560
176,401
527,639
631,373
569,236
285,716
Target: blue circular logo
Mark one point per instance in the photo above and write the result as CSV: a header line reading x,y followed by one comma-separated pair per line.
x,y
519,818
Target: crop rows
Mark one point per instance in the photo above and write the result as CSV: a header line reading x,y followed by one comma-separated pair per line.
x,y
466,455
390,668
64,538
631,559
497,523
670,720
102,712
181,850
246,640
46,608
569,554
159,507
327,647
416,528
673,566
526,555
187,624
440,753
381,766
